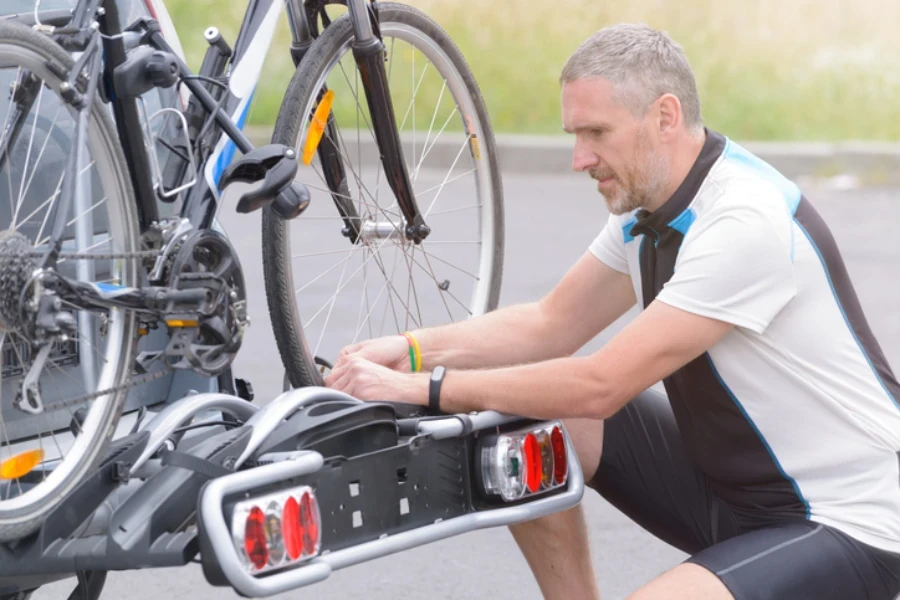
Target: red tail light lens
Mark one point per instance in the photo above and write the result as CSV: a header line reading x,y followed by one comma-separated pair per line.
x,y
532,451
293,529
309,517
255,538
278,529
560,460
523,462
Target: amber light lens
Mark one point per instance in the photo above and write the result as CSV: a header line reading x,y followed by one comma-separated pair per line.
x,y
560,464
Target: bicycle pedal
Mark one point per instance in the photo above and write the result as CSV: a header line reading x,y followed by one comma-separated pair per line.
x,y
276,166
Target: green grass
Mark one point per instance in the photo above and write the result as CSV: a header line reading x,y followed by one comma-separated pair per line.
x,y
766,70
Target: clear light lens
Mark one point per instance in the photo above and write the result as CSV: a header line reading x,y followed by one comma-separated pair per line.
x,y
274,535
503,468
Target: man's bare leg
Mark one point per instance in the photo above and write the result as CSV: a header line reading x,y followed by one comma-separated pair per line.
x,y
687,581
556,546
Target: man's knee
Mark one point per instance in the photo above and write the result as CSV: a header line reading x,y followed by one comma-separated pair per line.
x,y
587,438
685,582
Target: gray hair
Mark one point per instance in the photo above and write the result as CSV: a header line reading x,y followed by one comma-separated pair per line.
x,y
642,64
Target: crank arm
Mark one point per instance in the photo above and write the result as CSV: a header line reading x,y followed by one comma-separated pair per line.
x,y
153,300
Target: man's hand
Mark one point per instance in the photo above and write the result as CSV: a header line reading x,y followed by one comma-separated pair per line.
x,y
390,351
366,380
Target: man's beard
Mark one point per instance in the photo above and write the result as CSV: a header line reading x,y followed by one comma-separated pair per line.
x,y
644,180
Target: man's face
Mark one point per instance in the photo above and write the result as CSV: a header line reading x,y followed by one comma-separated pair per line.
x,y
617,149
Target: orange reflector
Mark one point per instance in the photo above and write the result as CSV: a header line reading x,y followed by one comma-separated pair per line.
x,y
317,127
21,464
182,323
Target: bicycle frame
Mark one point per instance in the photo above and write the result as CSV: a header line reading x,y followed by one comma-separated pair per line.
x,y
229,113
252,44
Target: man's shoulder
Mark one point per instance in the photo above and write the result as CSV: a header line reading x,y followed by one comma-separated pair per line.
x,y
742,179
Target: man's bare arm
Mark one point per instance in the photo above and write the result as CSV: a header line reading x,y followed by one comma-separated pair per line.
x,y
589,298
658,342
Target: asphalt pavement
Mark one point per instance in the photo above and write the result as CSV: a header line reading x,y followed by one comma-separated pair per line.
x,y
550,220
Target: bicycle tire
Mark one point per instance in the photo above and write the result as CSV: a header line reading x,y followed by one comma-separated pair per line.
x,y
99,424
298,359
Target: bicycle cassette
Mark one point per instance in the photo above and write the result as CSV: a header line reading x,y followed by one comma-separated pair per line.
x,y
205,337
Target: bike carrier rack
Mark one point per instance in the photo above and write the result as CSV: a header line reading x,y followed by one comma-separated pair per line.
x,y
179,509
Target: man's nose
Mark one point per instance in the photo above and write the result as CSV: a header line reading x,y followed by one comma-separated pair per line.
x,y
583,158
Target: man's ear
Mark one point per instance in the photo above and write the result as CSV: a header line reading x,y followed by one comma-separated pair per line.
x,y
670,116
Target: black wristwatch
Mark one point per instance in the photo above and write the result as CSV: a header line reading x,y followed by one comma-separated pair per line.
x,y
434,389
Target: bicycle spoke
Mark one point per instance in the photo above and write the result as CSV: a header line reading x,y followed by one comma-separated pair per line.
x,y
438,136
330,309
441,185
356,97
412,105
430,127
430,272
309,254
415,293
56,194
84,212
42,205
323,274
444,183
28,154
339,289
40,154
452,210
449,264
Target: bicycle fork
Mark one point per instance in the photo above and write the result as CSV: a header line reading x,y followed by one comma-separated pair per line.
x,y
368,52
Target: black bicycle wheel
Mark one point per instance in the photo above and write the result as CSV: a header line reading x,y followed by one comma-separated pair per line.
x,y
452,161
42,456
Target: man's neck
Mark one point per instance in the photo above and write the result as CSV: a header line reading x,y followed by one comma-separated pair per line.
x,y
682,159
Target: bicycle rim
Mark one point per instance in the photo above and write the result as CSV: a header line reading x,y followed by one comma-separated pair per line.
x,y
100,222
343,292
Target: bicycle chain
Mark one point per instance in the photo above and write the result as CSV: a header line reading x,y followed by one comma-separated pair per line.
x,y
135,381
111,256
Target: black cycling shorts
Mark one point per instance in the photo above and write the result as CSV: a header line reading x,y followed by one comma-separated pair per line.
x,y
645,472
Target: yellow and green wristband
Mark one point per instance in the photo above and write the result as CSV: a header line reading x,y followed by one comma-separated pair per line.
x,y
415,353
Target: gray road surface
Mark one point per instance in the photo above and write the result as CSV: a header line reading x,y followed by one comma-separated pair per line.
x,y
550,221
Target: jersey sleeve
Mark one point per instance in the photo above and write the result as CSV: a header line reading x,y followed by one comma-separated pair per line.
x,y
737,267
609,246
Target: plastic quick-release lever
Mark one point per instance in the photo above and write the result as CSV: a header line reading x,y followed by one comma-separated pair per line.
x,y
275,165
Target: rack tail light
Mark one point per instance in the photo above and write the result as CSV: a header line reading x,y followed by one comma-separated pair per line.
x,y
524,462
277,530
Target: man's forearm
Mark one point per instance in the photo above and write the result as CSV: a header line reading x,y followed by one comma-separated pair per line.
x,y
560,388
507,336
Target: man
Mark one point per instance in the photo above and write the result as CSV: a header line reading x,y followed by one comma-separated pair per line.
x,y
774,461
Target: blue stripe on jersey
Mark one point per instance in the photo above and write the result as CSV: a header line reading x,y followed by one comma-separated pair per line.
x,y
626,230
683,221
789,189
844,314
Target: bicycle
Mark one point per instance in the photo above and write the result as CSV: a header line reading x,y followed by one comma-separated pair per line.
x,y
122,300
